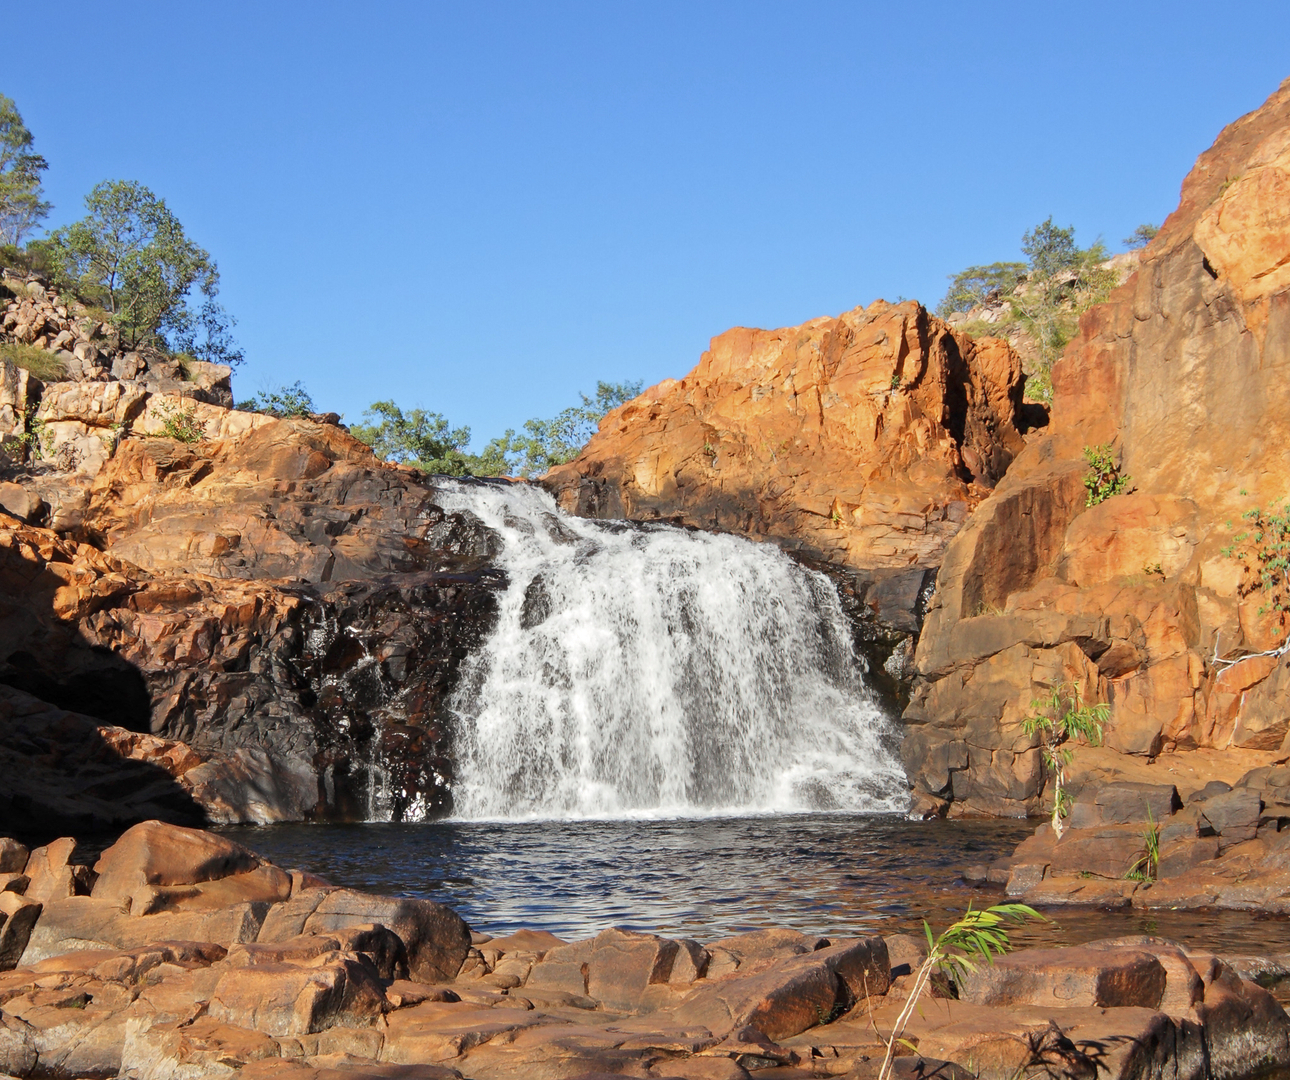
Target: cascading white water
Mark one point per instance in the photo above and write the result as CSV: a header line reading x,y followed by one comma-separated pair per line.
x,y
648,669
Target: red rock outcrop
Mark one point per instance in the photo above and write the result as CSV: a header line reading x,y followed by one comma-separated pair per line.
x,y
232,629
1133,600
861,442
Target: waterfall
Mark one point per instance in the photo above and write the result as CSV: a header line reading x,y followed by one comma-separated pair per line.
x,y
653,670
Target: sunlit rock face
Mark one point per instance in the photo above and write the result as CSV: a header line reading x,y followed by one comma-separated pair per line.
x,y
1133,600
261,627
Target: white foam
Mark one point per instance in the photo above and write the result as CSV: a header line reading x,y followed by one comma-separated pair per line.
x,y
676,674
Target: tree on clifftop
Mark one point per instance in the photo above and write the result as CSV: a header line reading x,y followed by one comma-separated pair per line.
x,y
424,440
21,206
428,442
1037,302
130,255
547,443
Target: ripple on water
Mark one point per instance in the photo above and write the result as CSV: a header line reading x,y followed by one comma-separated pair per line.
x,y
829,874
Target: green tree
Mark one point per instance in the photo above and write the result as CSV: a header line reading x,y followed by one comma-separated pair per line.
x,y
977,284
293,400
547,443
1141,236
21,205
422,439
131,255
1064,280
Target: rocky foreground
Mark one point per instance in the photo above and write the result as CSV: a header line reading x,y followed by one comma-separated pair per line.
x,y
182,954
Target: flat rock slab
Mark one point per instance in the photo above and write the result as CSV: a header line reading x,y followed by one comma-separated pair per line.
x,y
83,922
436,1032
1069,978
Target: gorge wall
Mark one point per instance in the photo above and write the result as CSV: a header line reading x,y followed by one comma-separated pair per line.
x,y
1133,600
260,624
859,443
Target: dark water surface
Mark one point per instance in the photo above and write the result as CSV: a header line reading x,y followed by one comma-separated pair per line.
x,y
829,874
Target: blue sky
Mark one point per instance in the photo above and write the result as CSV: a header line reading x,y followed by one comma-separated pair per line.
x,y
482,208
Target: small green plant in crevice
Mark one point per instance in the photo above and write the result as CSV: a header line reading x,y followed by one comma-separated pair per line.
x,y
1147,866
1263,550
959,950
1056,720
895,380
1153,570
1103,478
181,424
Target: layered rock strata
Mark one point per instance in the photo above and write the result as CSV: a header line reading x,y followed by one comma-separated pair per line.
x,y
181,953
860,443
1134,600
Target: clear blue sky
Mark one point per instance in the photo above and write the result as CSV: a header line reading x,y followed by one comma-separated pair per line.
x,y
483,208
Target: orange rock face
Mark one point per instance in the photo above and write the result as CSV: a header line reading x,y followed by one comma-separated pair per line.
x,y
211,654
1183,371
861,441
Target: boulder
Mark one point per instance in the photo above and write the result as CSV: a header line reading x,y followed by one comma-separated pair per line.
x,y
435,937
792,994
153,853
1124,804
13,856
614,968
86,922
1234,815
18,915
51,874
296,999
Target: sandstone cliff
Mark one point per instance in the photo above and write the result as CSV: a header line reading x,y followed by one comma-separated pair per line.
x,y
860,443
258,621
1184,372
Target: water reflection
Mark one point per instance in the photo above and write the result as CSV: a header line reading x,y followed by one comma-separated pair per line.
x,y
829,874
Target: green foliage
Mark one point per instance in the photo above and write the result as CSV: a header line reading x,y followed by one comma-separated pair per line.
x,y
427,441
978,284
1056,720
1064,281
34,258
960,949
422,439
34,438
45,366
181,424
1147,866
547,443
130,254
1141,237
1103,478
1044,296
1263,549
1050,249
293,400
21,206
